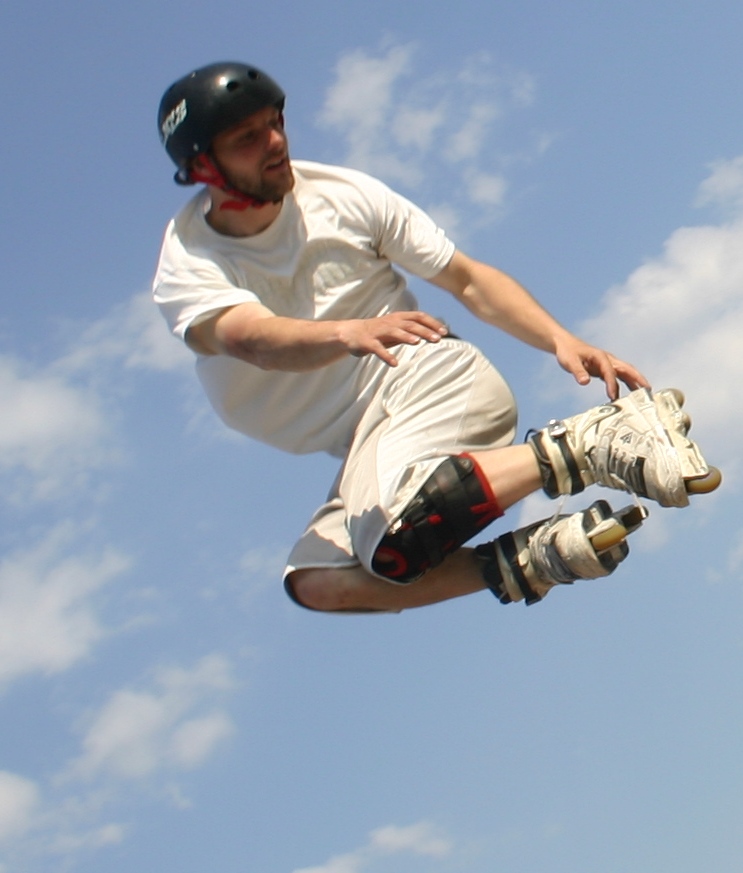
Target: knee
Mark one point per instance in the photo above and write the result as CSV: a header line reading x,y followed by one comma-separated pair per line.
x,y
318,589
337,590
453,504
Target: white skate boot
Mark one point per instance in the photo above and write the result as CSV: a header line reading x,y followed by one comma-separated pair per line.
x,y
526,564
637,444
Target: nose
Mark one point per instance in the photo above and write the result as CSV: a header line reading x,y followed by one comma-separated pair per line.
x,y
276,136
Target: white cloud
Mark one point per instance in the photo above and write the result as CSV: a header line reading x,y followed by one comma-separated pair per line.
x,y
361,98
486,189
19,805
35,828
416,126
431,130
47,618
194,740
139,739
467,142
724,186
360,105
59,420
422,839
173,726
60,434
351,863
53,431
134,335
679,318
99,837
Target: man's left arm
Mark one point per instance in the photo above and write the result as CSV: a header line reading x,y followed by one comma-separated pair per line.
x,y
498,299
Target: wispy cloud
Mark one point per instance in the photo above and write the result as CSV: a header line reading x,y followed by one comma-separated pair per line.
x,y
422,839
360,105
60,440
680,316
172,726
48,620
54,431
139,740
19,805
132,335
724,186
442,131
59,423
63,437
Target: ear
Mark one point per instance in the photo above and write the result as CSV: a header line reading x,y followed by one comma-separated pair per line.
x,y
200,164
193,172
203,170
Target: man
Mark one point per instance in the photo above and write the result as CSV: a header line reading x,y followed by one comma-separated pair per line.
x,y
280,275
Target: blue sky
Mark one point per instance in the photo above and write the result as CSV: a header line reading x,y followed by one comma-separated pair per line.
x,y
164,706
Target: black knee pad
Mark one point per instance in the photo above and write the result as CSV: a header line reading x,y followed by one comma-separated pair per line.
x,y
454,504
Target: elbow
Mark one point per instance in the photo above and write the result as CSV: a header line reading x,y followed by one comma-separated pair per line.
x,y
249,352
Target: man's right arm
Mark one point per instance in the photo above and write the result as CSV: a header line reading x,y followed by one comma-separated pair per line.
x,y
252,333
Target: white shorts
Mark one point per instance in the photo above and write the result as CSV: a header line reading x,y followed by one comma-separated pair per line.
x,y
441,400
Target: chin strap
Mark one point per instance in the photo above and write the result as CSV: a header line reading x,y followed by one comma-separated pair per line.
x,y
210,174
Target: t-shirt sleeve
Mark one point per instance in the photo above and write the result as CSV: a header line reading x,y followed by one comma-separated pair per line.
x,y
189,288
408,236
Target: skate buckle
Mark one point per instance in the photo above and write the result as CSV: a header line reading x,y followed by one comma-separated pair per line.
x,y
556,428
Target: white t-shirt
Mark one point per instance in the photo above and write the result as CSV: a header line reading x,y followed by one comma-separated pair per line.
x,y
327,256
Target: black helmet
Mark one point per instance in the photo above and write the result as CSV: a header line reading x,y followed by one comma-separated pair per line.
x,y
207,101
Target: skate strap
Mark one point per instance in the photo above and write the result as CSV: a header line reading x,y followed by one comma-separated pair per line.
x,y
548,472
558,433
507,542
491,571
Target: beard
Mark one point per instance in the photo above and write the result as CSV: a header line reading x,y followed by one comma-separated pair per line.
x,y
270,186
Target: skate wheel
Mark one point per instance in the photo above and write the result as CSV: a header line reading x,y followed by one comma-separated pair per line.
x,y
704,484
684,423
632,517
677,394
607,539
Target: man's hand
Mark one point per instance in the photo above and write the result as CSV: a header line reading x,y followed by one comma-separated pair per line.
x,y
375,336
497,299
585,361
252,333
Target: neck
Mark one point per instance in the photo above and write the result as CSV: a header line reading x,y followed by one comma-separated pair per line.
x,y
243,222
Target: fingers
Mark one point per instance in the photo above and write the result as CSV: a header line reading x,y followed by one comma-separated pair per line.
x,y
419,325
626,373
607,372
375,336
631,377
385,355
583,370
586,362
408,328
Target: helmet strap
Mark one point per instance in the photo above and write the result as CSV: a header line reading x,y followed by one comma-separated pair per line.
x,y
209,173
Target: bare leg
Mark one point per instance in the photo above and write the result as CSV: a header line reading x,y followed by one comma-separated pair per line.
x,y
352,589
513,474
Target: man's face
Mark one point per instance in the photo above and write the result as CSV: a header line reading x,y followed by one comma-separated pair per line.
x,y
254,156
